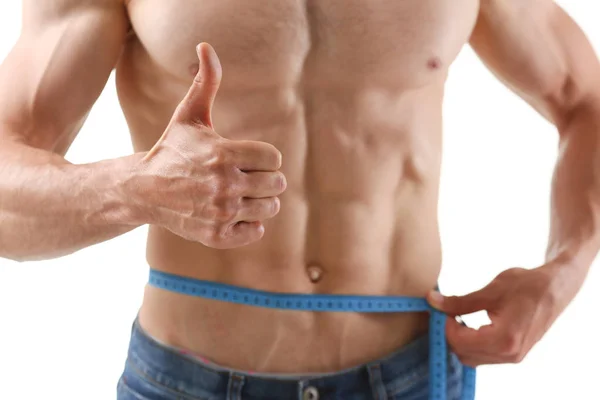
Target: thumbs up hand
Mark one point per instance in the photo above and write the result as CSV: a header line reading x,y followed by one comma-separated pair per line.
x,y
201,186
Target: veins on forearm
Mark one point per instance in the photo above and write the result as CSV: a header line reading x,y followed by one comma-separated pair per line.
x,y
56,208
575,205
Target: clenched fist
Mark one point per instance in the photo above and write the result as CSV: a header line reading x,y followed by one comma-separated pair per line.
x,y
201,186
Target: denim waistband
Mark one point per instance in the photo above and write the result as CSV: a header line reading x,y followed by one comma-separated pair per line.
x,y
385,376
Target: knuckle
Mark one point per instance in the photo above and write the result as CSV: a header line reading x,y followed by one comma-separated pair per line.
x,y
461,358
517,358
511,345
465,360
254,232
269,207
227,192
221,157
210,188
278,158
265,208
214,236
226,211
224,187
275,206
273,154
259,233
280,182
220,211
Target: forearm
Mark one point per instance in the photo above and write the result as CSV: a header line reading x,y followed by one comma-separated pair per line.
x,y
575,205
50,208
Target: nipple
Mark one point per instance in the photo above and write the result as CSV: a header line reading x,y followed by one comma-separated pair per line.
x,y
314,273
434,63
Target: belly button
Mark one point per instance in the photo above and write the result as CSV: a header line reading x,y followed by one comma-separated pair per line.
x,y
314,273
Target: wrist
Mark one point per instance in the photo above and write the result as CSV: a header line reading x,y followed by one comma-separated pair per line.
x,y
137,190
118,202
565,277
576,257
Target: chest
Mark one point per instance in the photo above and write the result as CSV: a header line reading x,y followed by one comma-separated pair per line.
x,y
278,41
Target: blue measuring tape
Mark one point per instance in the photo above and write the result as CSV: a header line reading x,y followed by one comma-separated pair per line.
x,y
438,349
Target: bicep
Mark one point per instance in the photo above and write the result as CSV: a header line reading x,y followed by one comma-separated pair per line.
x,y
538,51
58,68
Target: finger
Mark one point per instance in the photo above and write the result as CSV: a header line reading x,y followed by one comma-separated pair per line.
x,y
197,105
236,235
255,156
258,209
244,233
264,184
460,305
475,361
498,343
464,340
472,362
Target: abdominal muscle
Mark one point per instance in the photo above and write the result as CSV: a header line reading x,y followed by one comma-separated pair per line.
x,y
359,217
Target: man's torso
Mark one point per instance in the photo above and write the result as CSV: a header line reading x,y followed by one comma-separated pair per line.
x,y
351,93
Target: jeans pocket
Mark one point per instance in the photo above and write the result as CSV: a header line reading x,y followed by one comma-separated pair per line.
x,y
124,392
410,385
134,386
415,385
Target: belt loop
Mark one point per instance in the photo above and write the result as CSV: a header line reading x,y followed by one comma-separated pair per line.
x,y
377,386
234,386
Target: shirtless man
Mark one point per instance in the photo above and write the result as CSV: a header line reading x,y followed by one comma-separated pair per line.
x,y
304,157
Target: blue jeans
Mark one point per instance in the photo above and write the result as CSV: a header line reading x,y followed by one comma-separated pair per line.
x,y
156,372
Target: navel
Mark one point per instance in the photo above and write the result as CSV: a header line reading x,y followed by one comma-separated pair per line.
x,y
315,273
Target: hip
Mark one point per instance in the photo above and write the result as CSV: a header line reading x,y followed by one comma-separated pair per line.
x,y
154,371
270,340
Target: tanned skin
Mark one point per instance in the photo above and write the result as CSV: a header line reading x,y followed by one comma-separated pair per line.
x,y
296,149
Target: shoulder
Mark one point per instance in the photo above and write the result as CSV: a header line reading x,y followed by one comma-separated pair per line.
x,y
37,13
65,6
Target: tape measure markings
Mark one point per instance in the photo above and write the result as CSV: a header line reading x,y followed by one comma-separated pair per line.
x,y
333,303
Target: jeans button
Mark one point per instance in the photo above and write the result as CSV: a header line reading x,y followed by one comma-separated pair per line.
x,y
310,393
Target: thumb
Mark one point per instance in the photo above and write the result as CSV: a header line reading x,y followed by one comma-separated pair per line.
x,y
197,104
459,305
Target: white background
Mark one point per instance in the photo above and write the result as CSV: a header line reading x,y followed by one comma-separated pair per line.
x,y
64,324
